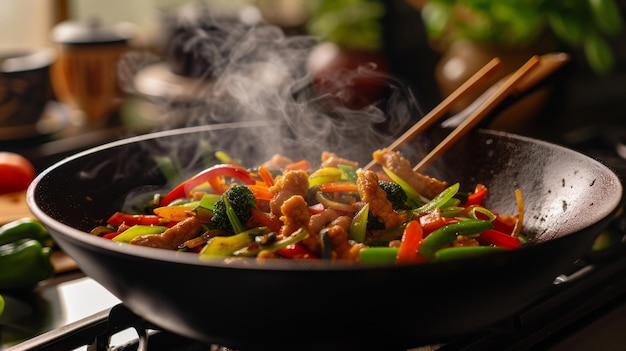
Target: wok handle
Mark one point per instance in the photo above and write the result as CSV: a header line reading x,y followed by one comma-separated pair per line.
x,y
575,276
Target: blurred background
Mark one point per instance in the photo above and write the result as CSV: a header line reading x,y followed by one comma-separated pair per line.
x,y
118,68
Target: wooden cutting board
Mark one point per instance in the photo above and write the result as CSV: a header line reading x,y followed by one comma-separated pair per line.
x,y
12,207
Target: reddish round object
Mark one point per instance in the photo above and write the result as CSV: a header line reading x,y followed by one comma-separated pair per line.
x,y
16,172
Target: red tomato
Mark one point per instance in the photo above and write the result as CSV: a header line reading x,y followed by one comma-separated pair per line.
x,y
16,172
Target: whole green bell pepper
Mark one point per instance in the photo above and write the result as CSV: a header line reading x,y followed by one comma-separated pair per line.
x,y
23,264
25,228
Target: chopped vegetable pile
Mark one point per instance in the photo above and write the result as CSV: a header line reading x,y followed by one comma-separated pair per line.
x,y
287,210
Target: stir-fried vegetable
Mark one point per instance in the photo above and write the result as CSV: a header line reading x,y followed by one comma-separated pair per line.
x,y
335,212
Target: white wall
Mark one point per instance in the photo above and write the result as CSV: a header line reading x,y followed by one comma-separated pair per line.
x,y
25,23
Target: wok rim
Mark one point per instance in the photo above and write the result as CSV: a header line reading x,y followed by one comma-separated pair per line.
x,y
185,258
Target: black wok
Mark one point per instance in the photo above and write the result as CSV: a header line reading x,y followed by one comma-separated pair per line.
x,y
281,305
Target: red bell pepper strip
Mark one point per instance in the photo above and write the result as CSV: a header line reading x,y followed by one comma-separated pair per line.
x,y
499,239
295,252
221,170
477,197
298,165
129,219
411,241
431,220
266,219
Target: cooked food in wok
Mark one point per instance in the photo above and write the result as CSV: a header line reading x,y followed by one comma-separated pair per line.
x,y
338,211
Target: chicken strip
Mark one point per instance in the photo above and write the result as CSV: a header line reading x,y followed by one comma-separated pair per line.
x,y
371,192
396,163
291,183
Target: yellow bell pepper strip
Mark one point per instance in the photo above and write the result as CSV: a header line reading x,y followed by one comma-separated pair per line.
x,y
222,246
174,213
358,226
452,253
24,263
324,175
118,218
494,237
25,228
138,230
439,200
380,255
221,170
411,241
445,235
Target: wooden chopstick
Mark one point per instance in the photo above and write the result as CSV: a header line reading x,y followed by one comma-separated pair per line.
x,y
480,77
500,94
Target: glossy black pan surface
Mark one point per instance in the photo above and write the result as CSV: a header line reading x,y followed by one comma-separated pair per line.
x,y
283,305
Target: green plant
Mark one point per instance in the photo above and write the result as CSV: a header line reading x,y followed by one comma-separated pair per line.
x,y
585,24
352,24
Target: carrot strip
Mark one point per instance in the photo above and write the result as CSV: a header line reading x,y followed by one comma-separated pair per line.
x,y
302,164
338,187
266,176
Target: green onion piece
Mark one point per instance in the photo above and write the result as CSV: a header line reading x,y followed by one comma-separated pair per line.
x,y
349,172
276,245
464,252
138,230
438,201
324,175
358,226
223,157
476,209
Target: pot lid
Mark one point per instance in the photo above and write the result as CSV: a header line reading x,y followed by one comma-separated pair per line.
x,y
91,32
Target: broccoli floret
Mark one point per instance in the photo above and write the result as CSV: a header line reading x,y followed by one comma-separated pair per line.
x,y
241,200
395,195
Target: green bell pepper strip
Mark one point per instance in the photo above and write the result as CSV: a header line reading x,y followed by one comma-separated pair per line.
x,y
378,255
438,201
138,230
1,305
24,263
445,235
274,246
349,172
358,226
25,228
452,253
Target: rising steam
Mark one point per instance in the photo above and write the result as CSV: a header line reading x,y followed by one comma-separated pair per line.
x,y
254,72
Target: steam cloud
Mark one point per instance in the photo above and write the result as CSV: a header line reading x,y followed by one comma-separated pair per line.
x,y
257,73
